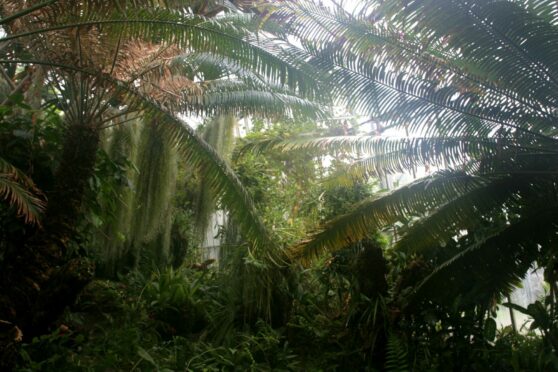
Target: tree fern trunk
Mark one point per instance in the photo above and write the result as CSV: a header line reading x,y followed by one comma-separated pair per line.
x,y
76,167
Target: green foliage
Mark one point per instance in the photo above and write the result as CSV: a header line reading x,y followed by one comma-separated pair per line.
x,y
27,158
264,349
168,321
519,352
222,67
543,318
396,356
338,200
174,300
29,154
108,320
287,188
257,288
131,325
424,68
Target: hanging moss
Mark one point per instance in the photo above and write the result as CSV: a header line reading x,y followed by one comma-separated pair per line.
x,y
140,225
156,185
219,133
120,143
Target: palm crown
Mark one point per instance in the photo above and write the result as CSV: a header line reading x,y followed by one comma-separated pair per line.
x,y
111,60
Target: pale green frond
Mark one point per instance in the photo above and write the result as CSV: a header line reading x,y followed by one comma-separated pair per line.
x,y
250,102
364,38
407,96
380,155
370,215
504,42
237,101
211,66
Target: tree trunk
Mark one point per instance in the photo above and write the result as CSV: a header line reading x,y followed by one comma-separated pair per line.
x,y
39,279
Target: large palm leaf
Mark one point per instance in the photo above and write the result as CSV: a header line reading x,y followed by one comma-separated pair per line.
x,y
474,86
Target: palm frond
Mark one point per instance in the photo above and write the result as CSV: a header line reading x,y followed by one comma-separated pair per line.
x,y
380,155
250,102
509,42
187,32
497,261
411,95
462,213
20,192
475,89
370,215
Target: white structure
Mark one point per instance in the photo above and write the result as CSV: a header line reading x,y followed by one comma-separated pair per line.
x,y
531,290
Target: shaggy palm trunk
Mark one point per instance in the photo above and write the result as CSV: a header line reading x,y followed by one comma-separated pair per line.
x,y
40,280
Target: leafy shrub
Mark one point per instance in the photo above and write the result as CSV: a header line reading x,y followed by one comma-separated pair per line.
x,y
175,301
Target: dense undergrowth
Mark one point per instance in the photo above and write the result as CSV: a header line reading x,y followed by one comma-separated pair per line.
x,y
179,320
